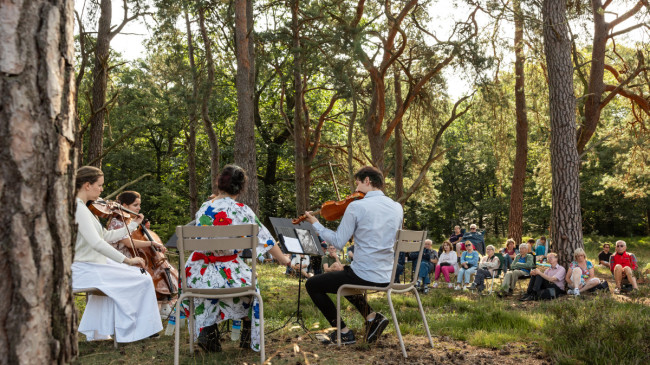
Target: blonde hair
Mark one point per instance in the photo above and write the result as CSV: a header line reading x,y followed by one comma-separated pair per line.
x,y
447,243
577,252
86,174
490,247
552,254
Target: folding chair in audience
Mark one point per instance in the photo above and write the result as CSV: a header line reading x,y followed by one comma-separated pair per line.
x,y
212,238
406,241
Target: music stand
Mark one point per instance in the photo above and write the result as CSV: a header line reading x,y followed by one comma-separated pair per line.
x,y
298,241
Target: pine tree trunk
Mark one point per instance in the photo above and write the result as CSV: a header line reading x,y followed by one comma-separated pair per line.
x,y
100,80
193,118
516,216
299,135
215,153
565,162
245,149
37,87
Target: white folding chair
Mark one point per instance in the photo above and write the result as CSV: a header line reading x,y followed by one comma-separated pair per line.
x,y
209,238
406,241
95,291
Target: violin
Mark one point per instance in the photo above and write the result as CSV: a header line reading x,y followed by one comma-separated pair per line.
x,y
333,210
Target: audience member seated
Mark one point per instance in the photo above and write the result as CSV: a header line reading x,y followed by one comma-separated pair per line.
x,y
401,262
486,268
552,279
475,238
540,248
580,276
520,267
510,252
455,240
623,263
351,252
429,259
331,261
604,255
468,265
299,266
446,264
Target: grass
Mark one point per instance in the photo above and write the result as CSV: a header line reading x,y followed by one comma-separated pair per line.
x,y
592,329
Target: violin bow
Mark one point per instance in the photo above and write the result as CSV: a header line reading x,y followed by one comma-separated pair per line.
x,y
128,231
336,187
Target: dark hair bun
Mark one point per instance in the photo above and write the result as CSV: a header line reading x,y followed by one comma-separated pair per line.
x,y
232,180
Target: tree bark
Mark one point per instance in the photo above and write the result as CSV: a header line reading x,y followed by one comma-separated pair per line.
x,y
245,148
191,138
215,153
565,162
516,216
100,79
300,128
399,147
37,164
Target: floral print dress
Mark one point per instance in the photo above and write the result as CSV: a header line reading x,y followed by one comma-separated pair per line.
x,y
224,269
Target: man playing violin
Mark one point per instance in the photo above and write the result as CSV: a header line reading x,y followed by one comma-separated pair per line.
x,y
373,222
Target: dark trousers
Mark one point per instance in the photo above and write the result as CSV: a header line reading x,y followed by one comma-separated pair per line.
x,y
538,283
330,282
479,278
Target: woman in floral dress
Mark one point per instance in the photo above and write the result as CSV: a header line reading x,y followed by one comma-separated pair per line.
x,y
224,268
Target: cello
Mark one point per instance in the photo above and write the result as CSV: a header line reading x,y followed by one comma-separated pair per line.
x,y
163,274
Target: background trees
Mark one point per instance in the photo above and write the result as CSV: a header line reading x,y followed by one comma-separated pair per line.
x,y
356,83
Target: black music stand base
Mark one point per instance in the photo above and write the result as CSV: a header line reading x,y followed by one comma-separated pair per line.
x,y
298,313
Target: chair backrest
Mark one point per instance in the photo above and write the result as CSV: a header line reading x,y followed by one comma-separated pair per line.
x,y
212,238
408,241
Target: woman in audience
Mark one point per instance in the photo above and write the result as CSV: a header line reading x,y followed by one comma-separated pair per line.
x,y
468,265
510,252
580,276
486,267
446,264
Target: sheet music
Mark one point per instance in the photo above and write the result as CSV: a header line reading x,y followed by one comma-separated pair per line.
x,y
292,245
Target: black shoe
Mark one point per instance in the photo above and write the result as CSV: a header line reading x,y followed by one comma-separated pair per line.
x,y
346,338
208,339
245,339
527,298
376,327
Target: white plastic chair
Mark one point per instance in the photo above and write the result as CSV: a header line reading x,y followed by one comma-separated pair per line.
x,y
210,238
406,241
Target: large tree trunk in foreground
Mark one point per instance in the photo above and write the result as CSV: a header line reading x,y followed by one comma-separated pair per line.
x,y
245,127
516,217
37,313
565,162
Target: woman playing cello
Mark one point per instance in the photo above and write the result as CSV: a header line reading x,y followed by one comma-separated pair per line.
x,y
131,202
129,308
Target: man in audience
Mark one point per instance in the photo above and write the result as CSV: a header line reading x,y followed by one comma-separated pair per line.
x,y
299,264
540,248
476,238
623,263
520,267
456,241
604,255
331,260
428,264
553,278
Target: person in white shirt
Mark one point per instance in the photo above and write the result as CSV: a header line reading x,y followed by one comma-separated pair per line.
x,y
374,222
129,311
300,263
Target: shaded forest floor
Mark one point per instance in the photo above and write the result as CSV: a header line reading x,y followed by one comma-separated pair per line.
x,y
466,328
